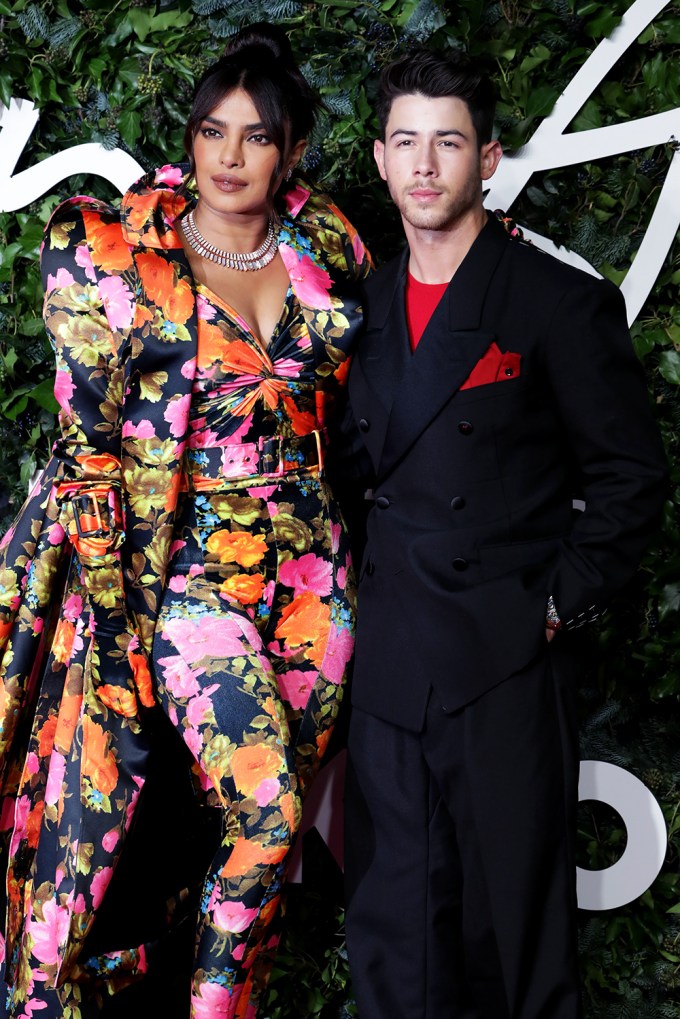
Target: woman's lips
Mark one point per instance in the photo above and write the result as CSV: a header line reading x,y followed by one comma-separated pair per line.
x,y
229,184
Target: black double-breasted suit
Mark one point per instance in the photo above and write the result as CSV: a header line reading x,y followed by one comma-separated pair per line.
x,y
523,396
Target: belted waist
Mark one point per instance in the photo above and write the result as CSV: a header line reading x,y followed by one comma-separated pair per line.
x,y
271,456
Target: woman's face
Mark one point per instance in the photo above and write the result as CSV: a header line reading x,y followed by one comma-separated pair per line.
x,y
235,158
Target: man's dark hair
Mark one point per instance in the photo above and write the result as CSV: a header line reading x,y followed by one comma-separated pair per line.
x,y
439,75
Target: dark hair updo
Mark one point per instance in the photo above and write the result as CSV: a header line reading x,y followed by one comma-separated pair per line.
x,y
260,61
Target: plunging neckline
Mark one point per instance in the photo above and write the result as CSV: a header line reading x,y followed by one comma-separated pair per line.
x,y
241,322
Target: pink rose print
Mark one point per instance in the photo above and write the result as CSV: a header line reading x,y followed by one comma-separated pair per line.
x,y
55,778
206,637
296,686
308,573
194,741
84,260
21,812
212,1003
188,369
310,282
142,430
49,932
177,584
169,174
358,249
63,278
296,198
63,389
32,764
338,652
233,917
204,309
177,415
266,791
200,709
100,883
73,606
179,678
110,840
118,301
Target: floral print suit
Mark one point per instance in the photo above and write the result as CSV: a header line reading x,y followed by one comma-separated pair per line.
x,y
183,548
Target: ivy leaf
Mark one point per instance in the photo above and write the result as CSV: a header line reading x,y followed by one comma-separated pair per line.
x,y
669,366
130,127
43,394
541,101
669,600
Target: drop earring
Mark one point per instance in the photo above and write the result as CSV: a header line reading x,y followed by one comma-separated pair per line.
x,y
289,173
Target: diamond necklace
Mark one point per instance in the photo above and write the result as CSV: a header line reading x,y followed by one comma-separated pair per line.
x,y
248,261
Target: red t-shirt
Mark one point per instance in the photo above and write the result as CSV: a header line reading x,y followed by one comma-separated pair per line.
x,y
421,300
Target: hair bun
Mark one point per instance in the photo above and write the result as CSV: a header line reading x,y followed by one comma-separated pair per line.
x,y
263,37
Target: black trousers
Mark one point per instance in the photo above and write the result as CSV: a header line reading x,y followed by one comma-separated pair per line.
x,y
460,869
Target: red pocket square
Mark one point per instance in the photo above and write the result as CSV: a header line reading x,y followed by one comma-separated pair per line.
x,y
494,366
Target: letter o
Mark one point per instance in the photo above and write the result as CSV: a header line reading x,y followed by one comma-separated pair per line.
x,y
645,850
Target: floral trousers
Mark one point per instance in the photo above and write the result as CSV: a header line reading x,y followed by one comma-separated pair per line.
x,y
252,645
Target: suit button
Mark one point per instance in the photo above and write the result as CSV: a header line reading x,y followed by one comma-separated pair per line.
x,y
370,567
364,425
509,371
382,502
460,564
458,502
465,427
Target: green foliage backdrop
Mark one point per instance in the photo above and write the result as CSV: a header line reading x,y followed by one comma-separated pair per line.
x,y
122,74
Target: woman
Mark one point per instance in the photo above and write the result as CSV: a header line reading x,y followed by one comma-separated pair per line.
x,y
202,335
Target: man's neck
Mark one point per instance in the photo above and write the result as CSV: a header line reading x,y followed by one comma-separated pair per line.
x,y
435,255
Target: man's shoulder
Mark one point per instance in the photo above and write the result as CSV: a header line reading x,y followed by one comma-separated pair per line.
x,y
544,269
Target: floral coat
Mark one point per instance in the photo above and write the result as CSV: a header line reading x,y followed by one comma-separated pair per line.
x,y
77,612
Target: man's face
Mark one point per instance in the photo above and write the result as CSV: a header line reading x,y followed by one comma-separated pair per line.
x,y
431,161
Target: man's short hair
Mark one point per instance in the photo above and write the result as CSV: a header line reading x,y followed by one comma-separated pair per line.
x,y
436,76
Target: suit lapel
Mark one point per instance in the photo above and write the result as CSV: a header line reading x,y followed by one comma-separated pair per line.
x,y
450,347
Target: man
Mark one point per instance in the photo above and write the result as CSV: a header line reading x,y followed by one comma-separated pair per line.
x,y
493,387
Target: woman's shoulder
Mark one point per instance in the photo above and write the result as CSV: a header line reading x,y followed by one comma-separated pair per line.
x,y
314,211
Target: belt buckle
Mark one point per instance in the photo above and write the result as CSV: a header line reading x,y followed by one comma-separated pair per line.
x,y
266,456
319,449
87,513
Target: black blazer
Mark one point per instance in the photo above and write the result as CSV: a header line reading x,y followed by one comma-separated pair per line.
x,y
473,524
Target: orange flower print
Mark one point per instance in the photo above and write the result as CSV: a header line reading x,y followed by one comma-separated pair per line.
x,y
303,421
69,712
305,620
251,765
109,250
247,854
157,276
179,305
118,699
288,804
211,344
98,762
46,736
62,646
237,546
33,822
142,676
244,588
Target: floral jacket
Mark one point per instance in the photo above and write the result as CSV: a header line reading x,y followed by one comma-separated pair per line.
x,y
82,569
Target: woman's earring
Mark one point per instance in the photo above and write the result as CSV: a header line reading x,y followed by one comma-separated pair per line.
x,y
289,173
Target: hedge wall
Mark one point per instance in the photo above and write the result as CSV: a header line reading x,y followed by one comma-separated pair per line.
x,y
122,74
